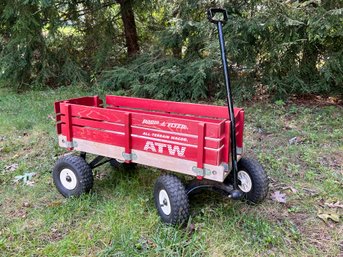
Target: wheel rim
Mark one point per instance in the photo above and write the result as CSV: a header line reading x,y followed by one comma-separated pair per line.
x,y
164,202
68,179
245,179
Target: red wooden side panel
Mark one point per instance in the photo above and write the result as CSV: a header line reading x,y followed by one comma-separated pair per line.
x,y
239,129
227,142
176,137
96,124
86,100
170,106
95,113
171,124
188,152
58,117
187,117
156,132
95,135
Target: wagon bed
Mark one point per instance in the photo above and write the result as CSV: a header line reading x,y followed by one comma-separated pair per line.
x,y
192,139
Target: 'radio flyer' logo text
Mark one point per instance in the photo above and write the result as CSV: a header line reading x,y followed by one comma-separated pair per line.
x,y
173,150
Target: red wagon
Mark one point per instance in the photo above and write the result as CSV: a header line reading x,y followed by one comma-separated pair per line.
x,y
191,139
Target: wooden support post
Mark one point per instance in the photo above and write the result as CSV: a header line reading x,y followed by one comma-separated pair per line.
x,y
58,118
127,142
200,154
69,125
227,143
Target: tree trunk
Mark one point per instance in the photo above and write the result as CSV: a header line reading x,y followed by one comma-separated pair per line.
x,y
130,30
308,64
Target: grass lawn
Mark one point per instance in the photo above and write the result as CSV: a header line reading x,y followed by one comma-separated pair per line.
x,y
119,218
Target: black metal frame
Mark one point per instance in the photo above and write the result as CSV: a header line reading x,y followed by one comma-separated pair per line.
x,y
97,161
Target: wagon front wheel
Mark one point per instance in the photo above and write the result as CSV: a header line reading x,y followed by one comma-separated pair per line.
x,y
72,176
171,200
252,180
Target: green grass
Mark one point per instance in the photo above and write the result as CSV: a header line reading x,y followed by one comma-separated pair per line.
x,y
119,219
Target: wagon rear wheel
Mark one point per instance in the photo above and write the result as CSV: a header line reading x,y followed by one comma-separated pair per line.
x,y
72,176
171,200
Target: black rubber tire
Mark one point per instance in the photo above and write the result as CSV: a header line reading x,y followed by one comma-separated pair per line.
x,y
259,178
178,200
81,170
122,165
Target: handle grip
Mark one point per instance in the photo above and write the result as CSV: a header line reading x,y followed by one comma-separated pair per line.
x,y
211,13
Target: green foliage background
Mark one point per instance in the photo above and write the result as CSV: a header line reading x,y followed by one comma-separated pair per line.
x,y
279,47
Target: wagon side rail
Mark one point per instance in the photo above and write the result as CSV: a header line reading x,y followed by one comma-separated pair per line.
x,y
123,134
170,107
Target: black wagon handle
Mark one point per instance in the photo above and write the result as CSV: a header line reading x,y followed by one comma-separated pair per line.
x,y
211,12
236,193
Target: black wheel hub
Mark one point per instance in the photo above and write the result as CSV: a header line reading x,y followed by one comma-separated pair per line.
x,y
68,178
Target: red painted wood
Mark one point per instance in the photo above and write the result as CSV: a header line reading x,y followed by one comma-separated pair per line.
x,y
167,128
240,129
170,106
95,113
172,124
58,117
95,124
172,136
190,152
127,142
166,114
87,101
201,139
174,150
95,135
69,134
226,150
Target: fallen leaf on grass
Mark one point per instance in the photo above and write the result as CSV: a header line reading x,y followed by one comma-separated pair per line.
x,y
30,183
311,192
325,216
26,177
26,204
293,140
144,244
51,117
294,191
279,197
54,204
11,167
334,205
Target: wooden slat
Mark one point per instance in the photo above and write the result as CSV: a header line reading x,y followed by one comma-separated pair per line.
x,y
166,114
170,106
176,150
58,117
99,136
118,127
178,125
86,100
179,138
95,113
